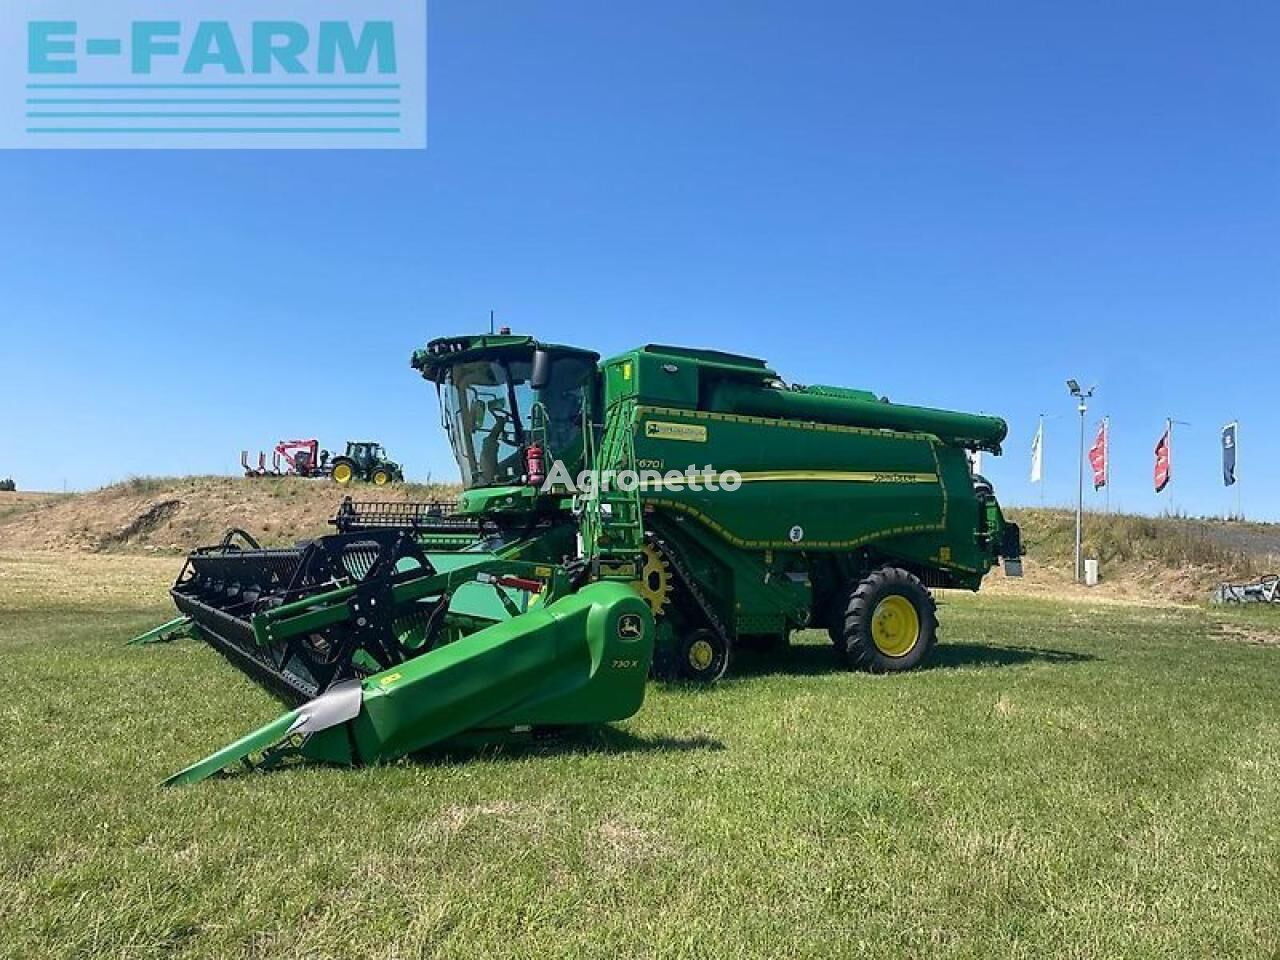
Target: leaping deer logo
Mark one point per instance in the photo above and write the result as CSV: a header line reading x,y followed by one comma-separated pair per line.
x,y
630,627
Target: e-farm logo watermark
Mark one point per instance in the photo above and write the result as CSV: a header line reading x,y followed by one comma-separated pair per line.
x,y
200,73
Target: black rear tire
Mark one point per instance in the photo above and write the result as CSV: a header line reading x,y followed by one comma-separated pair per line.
x,y
890,623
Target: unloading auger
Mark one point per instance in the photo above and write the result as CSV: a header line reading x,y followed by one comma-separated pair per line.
x,y
534,603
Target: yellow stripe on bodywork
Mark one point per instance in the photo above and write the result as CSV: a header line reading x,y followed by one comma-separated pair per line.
x,y
777,476
850,476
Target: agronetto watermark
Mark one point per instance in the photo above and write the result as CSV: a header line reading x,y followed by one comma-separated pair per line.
x,y
590,482
282,74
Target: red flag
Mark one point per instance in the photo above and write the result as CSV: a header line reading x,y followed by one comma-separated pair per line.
x,y
1164,469
1098,456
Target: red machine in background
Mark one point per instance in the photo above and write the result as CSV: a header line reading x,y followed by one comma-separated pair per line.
x,y
290,458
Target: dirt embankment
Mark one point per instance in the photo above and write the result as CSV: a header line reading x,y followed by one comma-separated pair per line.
x,y
1161,558
174,515
14,502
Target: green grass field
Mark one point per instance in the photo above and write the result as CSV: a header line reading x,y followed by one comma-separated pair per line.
x,y
1068,780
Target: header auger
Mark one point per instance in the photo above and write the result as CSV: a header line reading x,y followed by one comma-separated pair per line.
x,y
742,509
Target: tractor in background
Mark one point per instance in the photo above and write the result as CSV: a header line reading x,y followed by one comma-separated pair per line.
x,y
363,461
367,461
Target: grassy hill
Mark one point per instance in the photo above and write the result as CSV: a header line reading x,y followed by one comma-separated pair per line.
x,y
174,514
1173,557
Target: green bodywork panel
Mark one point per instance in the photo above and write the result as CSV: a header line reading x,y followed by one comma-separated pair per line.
x,y
760,592
803,490
508,499
567,663
825,471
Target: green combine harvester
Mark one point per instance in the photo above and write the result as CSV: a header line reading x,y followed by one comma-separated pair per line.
x,y
649,514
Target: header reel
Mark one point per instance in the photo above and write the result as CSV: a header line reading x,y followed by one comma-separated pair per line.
x,y
303,618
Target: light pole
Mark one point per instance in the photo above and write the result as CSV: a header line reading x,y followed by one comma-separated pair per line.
x,y
1082,396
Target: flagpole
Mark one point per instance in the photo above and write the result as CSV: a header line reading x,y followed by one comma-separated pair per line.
x,y
1082,396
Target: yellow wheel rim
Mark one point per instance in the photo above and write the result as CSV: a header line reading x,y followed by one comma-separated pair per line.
x,y
701,654
895,626
342,473
381,479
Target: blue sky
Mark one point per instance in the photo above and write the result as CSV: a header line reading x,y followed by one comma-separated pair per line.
x,y
952,204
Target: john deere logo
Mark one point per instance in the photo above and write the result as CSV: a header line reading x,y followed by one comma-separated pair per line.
x,y
658,430
630,627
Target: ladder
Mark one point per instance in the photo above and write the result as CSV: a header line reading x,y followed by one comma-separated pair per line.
x,y
612,521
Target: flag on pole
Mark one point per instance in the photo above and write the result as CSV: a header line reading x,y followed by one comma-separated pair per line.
x,y
1098,455
1164,468
1037,456
1229,453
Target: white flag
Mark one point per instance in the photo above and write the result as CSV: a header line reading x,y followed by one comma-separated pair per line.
x,y
1037,455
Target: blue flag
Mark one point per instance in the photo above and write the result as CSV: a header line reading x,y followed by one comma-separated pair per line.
x,y
1229,454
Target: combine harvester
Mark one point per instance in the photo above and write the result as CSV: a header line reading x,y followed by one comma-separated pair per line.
x,y
537,602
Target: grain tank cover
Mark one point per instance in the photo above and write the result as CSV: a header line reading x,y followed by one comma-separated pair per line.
x,y
719,382
730,363
857,408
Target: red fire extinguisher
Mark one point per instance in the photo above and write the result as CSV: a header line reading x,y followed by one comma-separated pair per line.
x,y
533,464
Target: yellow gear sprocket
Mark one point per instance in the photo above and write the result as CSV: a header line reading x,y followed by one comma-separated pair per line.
x,y
655,582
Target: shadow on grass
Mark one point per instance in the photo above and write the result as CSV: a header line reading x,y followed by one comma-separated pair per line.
x,y
950,655
581,741
815,659
566,741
